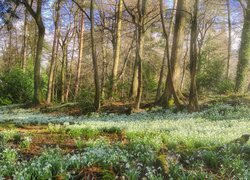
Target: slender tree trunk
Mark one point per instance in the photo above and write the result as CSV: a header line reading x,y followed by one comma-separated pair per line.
x,y
229,38
54,52
163,66
10,51
134,86
80,56
104,64
117,48
242,75
24,50
139,65
70,72
54,88
141,6
193,96
63,78
121,75
94,58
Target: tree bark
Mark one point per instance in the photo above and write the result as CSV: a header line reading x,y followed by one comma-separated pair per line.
x,y
70,72
117,49
142,8
193,96
54,52
80,56
229,38
94,59
242,76
24,50
166,52
63,78
134,85
172,81
37,65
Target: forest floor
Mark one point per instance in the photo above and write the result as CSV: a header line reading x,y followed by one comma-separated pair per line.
x,y
155,144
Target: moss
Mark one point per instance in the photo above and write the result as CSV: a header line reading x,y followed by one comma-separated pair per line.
x,y
161,162
244,55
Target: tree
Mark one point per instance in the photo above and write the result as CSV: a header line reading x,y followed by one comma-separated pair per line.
x,y
54,51
94,58
80,54
24,50
172,80
64,43
117,48
166,55
193,97
37,15
139,19
242,75
229,38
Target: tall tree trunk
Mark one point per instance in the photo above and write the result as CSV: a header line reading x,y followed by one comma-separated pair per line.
x,y
242,76
24,50
104,66
166,53
229,38
54,52
193,96
141,6
37,67
117,48
10,52
172,81
63,78
70,71
37,15
80,56
134,85
94,59
139,65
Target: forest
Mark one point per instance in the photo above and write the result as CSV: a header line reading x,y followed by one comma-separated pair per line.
x,y
124,89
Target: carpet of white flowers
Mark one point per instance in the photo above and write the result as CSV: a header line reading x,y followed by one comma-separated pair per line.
x,y
149,145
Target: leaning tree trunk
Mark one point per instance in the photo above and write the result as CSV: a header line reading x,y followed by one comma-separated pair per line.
x,y
242,76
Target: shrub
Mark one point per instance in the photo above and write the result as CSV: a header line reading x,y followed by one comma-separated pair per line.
x,y
15,87
86,101
211,77
225,87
